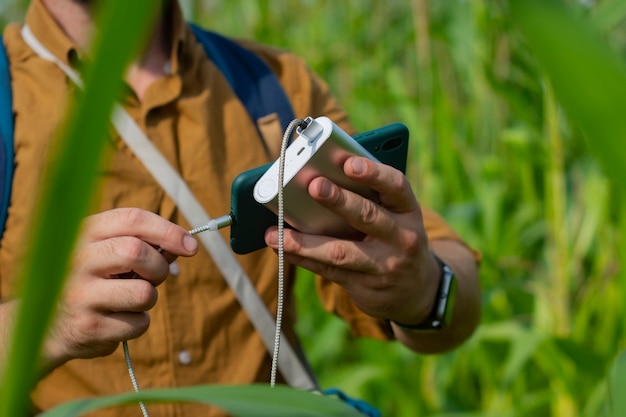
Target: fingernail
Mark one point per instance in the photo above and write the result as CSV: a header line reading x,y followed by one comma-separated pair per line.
x,y
174,269
190,243
325,189
358,167
272,238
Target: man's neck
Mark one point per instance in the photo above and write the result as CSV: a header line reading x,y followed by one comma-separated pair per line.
x,y
76,19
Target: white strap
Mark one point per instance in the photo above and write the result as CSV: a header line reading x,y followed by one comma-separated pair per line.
x,y
291,366
193,211
44,53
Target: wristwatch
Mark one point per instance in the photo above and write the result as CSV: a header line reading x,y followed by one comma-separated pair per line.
x,y
441,315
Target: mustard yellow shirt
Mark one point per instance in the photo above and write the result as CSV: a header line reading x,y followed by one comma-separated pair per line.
x,y
199,334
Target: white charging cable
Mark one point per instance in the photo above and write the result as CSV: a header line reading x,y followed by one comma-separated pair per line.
x,y
213,225
281,245
133,378
227,220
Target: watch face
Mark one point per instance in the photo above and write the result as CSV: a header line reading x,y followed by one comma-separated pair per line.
x,y
444,304
449,295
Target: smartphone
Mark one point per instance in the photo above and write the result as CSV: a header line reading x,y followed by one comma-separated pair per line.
x,y
319,150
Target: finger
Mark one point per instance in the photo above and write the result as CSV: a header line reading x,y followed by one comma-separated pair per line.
x,y
93,330
344,255
119,255
391,184
144,225
369,292
118,295
361,213
126,325
338,275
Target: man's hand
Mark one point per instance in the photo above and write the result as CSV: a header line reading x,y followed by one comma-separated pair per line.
x,y
391,273
99,309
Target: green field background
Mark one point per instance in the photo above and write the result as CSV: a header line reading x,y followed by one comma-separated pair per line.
x,y
494,151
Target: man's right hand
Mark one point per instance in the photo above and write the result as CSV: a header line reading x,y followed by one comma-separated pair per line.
x,y
99,309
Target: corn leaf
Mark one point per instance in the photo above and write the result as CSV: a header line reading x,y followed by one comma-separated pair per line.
x,y
617,384
71,175
587,76
242,401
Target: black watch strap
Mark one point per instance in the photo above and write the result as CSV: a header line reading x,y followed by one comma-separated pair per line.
x,y
441,314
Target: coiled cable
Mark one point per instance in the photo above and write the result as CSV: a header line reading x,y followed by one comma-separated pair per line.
x,y
281,245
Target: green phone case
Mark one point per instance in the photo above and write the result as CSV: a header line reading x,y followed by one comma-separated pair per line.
x,y
389,144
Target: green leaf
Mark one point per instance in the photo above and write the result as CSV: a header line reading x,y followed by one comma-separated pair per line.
x,y
609,13
67,195
242,401
617,386
588,77
524,344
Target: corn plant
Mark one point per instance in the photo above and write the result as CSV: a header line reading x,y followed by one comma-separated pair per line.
x,y
500,147
514,109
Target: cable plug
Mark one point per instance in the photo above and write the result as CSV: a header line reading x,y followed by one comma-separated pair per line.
x,y
214,224
310,129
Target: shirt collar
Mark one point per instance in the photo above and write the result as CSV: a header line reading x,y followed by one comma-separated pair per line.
x,y
48,31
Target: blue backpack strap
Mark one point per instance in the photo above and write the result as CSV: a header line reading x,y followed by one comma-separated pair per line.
x,y
363,407
6,136
254,83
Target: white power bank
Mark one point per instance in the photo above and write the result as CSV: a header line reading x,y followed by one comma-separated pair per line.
x,y
319,150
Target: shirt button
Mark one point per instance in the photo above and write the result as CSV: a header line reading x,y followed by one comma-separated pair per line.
x,y
184,357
